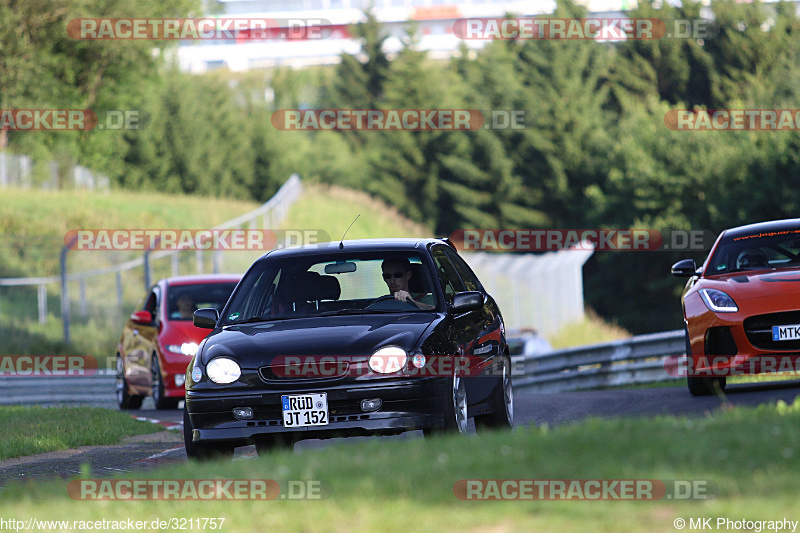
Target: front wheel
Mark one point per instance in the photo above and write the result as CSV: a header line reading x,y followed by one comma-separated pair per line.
x,y
455,410
502,415
202,451
124,399
160,398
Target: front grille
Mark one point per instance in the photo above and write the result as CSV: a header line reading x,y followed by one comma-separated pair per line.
x,y
759,330
304,372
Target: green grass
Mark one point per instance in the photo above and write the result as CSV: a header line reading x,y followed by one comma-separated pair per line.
x,y
32,430
402,485
592,330
332,209
32,228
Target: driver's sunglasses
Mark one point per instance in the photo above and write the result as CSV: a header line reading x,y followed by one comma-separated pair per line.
x,y
396,275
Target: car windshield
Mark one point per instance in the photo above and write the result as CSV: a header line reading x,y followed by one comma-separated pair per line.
x,y
759,250
182,300
340,284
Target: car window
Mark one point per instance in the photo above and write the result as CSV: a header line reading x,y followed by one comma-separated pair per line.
x,y
756,251
151,303
448,276
333,284
467,275
183,300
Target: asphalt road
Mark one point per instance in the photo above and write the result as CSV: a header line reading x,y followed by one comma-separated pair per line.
x,y
143,453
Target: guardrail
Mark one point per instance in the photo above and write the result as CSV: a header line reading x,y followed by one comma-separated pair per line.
x,y
632,361
267,216
97,390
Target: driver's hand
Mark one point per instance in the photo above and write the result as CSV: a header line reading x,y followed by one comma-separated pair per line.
x,y
403,296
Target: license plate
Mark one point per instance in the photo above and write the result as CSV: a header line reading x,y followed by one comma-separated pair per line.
x,y
305,410
786,333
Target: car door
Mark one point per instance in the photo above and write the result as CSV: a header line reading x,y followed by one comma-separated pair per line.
x,y
489,342
139,344
462,328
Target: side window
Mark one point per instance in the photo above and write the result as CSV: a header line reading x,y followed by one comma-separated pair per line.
x,y
467,275
448,276
151,303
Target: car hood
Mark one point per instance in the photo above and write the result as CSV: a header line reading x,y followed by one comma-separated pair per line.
x,y
179,331
254,345
781,286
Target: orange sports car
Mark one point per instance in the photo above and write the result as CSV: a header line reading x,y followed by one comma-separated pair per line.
x,y
742,306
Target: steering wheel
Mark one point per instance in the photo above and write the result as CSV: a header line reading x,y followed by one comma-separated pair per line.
x,y
385,299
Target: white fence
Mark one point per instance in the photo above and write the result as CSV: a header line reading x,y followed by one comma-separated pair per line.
x,y
266,216
18,171
542,292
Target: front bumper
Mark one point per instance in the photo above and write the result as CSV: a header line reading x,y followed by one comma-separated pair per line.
x,y
407,405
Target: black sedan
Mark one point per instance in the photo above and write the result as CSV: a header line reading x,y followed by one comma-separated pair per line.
x,y
371,337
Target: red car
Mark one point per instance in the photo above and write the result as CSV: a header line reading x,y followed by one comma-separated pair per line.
x,y
742,306
159,340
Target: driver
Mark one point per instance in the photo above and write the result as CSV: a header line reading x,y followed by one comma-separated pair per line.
x,y
186,307
396,273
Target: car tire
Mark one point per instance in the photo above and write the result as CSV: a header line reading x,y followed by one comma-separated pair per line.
x,y
266,444
159,398
702,386
502,403
124,399
455,409
202,451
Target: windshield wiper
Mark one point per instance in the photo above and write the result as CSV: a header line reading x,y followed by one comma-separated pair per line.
x,y
358,312
256,319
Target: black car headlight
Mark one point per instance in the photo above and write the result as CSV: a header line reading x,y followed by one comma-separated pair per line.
x,y
223,370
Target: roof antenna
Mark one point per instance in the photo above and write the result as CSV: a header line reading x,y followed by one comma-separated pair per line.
x,y
341,243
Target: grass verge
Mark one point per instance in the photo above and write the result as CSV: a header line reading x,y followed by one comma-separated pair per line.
x,y
33,430
32,228
406,484
591,330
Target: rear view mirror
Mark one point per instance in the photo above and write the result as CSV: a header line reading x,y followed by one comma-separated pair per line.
x,y
205,318
142,317
340,268
684,269
466,301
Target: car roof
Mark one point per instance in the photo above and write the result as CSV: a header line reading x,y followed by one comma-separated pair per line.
x,y
356,245
759,227
199,279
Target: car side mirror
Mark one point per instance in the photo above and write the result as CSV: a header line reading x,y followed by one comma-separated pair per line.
x,y
205,318
142,317
685,268
466,301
